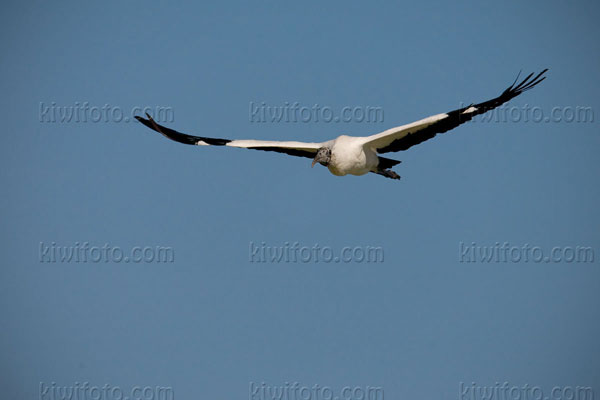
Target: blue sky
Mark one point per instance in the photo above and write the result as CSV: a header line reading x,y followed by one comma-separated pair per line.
x,y
212,322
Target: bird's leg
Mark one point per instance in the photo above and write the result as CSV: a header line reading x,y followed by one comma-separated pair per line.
x,y
388,173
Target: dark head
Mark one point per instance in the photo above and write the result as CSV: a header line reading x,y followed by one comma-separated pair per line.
x,y
323,156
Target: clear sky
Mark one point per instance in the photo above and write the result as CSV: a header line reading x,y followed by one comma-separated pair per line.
x,y
212,322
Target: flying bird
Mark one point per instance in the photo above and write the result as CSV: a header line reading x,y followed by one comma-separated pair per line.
x,y
360,155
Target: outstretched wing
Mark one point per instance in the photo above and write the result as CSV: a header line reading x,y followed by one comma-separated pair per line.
x,y
298,149
406,136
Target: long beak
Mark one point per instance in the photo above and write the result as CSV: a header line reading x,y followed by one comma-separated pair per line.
x,y
314,162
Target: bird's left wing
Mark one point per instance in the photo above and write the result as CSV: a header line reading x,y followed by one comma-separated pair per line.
x,y
298,149
406,136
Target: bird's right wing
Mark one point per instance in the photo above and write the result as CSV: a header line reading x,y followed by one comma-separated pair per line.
x,y
406,136
298,149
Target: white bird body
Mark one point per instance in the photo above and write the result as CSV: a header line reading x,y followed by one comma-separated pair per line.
x,y
350,156
360,155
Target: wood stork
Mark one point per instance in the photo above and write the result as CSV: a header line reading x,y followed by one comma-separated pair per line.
x,y
360,155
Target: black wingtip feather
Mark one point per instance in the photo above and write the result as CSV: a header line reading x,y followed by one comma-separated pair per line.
x,y
178,136
527,83
523,82
516,79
